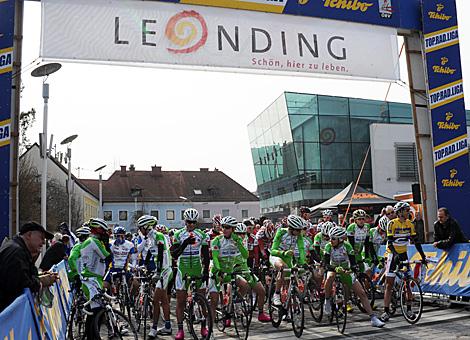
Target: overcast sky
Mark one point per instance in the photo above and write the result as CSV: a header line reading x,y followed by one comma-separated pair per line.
x,y
177,119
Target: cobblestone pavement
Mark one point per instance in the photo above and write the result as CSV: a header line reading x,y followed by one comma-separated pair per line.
x,y
437,322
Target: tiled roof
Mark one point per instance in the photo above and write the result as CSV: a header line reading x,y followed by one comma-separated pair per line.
x,y
169,186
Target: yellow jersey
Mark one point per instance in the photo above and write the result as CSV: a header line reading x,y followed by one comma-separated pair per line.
x,y
401,234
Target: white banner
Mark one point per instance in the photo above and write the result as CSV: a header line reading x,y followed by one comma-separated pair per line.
x,y
195,36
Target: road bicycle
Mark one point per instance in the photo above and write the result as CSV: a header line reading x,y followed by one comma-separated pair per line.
x,y
143,306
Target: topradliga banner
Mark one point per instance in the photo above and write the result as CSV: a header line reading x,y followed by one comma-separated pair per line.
x,y
167,34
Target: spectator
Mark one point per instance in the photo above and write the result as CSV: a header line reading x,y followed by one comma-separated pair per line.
x,y
419,227
17,268
54,254
447,231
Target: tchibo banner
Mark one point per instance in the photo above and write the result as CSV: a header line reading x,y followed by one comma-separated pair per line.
x,y
446,100
7,17
208,37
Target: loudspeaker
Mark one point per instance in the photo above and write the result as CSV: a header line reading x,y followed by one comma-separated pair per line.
x,y
416,190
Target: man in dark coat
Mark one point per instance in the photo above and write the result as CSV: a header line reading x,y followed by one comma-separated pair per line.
x,y
17,269
447,231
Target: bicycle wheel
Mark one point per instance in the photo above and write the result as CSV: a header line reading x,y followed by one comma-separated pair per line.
x,y
297,315
275,312
366,284
145,314
138,312
314,301
198,315
411,300
340,308
220,314
112,324
241,317
76,325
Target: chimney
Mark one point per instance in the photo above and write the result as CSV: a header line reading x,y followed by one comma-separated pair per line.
x,y
156,171
203,169
132,167
123,171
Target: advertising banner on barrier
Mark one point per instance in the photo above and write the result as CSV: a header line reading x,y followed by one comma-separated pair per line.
x,y
393,13
7,17
177,35
450,275
17,320
446,100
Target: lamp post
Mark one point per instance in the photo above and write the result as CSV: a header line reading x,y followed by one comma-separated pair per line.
x,y
44,71
100,211
67,141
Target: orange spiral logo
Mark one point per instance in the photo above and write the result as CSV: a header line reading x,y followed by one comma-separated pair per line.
x,y
186,30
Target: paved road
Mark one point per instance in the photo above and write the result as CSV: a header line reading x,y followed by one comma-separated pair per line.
x,y
437,322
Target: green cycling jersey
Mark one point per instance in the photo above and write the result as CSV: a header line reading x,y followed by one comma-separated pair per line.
x,y
190,261
283,242
227,253
357,235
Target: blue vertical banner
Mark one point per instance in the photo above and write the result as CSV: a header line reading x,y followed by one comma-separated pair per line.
x,y
446,101
7,18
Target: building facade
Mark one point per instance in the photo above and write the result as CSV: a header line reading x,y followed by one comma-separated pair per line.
x,y
129,194
306,148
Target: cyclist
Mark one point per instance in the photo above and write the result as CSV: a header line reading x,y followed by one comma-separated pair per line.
x,y
121,250
282,251
358,235
339,257
265,237
327,215
241,264
400,231
251,245
228,251
191,249
74,260
377,237
216,227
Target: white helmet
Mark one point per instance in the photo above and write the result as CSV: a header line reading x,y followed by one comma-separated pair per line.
x,y
147,222
327,212
295,222
383,223
98,223
337,232
400,206
83,231
241,228
229,221
326,227
359,214
191,214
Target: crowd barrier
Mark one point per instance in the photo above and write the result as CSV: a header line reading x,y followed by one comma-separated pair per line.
x,y
26,319
450,275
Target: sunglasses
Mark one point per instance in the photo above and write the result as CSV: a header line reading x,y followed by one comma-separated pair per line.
x,y
191,222
227,227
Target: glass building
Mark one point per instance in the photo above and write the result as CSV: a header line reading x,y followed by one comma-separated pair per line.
x,y
306,148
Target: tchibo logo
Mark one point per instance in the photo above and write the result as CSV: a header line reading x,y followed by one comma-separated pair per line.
x,y
452,181
350,5
438,14
187,32
442,68
448,124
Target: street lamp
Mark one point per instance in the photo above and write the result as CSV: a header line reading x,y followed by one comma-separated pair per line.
x,y
67,141
100,211
44,71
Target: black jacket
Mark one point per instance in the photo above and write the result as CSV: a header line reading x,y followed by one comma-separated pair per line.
x,y
54,254
448,234
17,271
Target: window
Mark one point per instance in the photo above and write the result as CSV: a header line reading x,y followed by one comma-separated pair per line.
x,y
123,215
244,213
170,215
206,214
154,213
225,212
108,215
138,214
407,164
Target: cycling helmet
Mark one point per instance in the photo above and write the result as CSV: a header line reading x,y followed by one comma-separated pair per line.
x,y
284,222
191,214
305,210
337,232
216,219
240,228
229,221
326,227
119,230
400,206
269,228
359,214
248,222
383,223
327,212
161,228
98,223
147,222
295,222
83,231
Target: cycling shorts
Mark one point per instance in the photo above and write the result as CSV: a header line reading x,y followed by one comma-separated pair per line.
x,y
391,263
181,284
165,277
115,271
